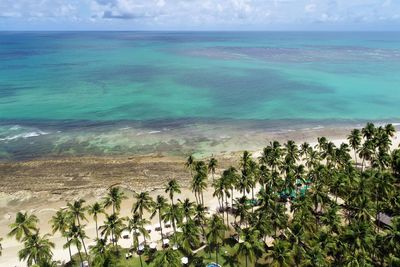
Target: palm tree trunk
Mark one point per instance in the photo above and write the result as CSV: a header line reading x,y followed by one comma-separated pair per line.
x,y
232,198
355,156
202,198
97,230
84,247
140,258
69,249
246,260
80,254
159,218
216,254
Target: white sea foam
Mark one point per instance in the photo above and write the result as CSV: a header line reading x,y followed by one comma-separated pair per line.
x,y
154,132
23,135
15,127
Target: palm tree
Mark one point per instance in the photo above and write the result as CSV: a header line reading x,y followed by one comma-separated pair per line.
x,y
216,233
143,202
355,141
75,237
1,247
212,165
190,163
199,181
23,226
136,227
95,210
189,237
61,222
200,218
280,254
187,208
172,188
159,207
36,249
316,257
101,254
113,225
368,131
230,260
167,258
77,210
392,237
251,247
172,214
114,198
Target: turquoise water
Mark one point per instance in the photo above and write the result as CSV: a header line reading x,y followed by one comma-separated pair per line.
x,y
57,85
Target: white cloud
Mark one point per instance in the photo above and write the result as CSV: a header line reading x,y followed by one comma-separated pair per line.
x,y
204,13
310,8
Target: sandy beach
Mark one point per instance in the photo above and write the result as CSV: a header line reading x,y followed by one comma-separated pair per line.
x,y
42,186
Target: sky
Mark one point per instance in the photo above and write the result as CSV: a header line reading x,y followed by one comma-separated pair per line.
x,y
263,15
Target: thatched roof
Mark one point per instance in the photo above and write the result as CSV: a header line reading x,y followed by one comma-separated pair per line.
x,y
384,219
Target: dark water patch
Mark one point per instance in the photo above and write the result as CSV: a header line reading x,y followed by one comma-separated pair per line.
x,y
298,55
8,90
132,73
248,89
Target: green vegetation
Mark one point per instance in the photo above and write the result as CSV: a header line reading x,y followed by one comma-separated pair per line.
x,y
293,206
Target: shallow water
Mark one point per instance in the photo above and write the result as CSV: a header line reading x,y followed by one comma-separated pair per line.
x,y
140,92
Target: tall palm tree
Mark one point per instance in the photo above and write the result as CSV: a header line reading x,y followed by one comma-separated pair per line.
x,y
190,163
61,222
172,214
136,226
199,181
355,141
187,208
368,131
200,218
114,199
1,247
216,234
77,210
113,225
37,249
143,202
212,165
167,258
159,206
251,247
280,254
172,188
23,225
75,236
189,237
95,210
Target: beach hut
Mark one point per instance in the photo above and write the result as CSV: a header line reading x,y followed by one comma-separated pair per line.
x,y
384,220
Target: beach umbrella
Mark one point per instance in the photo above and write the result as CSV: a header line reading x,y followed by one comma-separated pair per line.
x,y
153,246
184,260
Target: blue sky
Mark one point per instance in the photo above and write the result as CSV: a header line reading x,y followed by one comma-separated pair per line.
x,y
199,14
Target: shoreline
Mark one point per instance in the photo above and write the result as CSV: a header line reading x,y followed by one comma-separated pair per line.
x,y
21,141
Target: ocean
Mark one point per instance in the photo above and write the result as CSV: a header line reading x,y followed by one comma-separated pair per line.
x,y
117,93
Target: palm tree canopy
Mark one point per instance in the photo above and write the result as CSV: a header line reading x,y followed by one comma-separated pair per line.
x,y
24,225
